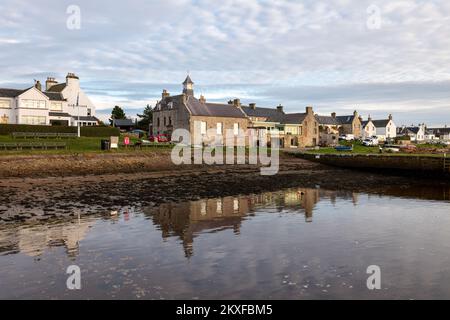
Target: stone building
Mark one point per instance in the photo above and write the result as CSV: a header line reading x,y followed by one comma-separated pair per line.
x,y
297,130
197,115
330,127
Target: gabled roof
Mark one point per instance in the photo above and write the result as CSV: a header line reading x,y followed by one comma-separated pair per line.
x,y
327,120
54,96
288,118
261,112
119,122
57,87
91,118
440,130
380,123
198,108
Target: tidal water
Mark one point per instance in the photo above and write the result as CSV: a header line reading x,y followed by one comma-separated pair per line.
x,y
292,244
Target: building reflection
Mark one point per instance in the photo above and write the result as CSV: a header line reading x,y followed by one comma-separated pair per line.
x,y
187,220
34,240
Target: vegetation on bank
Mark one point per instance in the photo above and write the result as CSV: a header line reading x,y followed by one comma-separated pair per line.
x,y
77,145
94,131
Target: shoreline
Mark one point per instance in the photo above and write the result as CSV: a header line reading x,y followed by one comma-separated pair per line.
x,y
30,199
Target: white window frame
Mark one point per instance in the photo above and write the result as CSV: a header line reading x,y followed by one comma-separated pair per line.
x,y
235,128
203,127
219,129
5,104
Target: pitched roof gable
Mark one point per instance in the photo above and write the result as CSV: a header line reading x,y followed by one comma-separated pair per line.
x,y
57,87
289,118
261,112
10,93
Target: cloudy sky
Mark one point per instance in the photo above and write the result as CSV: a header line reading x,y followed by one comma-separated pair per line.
x,y
377,56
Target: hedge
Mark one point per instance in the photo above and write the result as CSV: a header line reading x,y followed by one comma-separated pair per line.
x,y
94,131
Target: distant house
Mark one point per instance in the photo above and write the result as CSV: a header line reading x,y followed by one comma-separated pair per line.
x,y
350,124
385,129
124,124
330,127
59,104
415,133
297,130
368,128
441,133
328,130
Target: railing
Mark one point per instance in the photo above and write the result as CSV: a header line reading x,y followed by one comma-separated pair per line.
x,y
34,135
32,145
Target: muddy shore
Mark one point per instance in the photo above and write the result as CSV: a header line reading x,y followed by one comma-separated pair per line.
x,y
146,183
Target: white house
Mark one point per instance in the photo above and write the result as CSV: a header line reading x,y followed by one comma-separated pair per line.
x,y
385,129
60,104
416,133
368,128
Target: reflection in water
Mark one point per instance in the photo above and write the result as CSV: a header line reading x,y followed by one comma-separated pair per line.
x,y
186,220
296,243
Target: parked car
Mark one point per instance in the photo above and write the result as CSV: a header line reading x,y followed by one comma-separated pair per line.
x,y
347,137
159,138
370,142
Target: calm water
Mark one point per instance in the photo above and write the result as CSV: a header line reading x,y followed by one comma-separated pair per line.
x,y
292,244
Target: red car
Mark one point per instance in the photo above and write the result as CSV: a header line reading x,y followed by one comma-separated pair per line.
x,y
159,138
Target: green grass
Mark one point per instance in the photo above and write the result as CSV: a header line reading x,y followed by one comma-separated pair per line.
x,y
358,148
75,145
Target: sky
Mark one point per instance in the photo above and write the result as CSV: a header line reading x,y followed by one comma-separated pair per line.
x,y
377,57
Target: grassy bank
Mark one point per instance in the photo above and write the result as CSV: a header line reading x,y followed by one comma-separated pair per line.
x,y
74,145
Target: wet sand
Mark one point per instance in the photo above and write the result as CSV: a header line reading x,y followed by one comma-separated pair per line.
x,y
43,198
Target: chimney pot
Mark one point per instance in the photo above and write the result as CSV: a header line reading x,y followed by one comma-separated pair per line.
x,y
38,85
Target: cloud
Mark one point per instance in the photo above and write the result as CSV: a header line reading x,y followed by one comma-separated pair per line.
x,y
126,52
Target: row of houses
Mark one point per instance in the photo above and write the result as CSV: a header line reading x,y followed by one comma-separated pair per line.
x,y
57,104
305,129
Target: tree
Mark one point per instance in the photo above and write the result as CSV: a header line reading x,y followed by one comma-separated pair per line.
x,y
145,118
117,113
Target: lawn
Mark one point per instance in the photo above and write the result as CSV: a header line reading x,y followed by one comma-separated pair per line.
x,y
74,145
358,148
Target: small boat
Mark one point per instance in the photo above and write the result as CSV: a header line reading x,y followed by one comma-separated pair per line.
x,y
343,148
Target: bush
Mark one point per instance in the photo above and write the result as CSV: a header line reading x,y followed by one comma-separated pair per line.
x,y
94,131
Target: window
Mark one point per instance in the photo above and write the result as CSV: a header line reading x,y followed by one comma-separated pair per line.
x,y
157,121
56,106
89,112
170,121
219,128
33,104
164,121
236,129
34,120
5,104
203,127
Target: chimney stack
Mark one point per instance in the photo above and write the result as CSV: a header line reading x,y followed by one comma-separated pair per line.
x,y
50,82
369,118
252,106
309,110
390,117
280,108
202,99
165,94
237,102
38,85
355,113
333,114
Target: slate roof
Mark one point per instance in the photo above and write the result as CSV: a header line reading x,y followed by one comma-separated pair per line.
x,y
59,114
198,108
440,130
345,119
57,87
11,93
54,96
91,118
118,122
328,120
188,80
261,112
380,123
288,118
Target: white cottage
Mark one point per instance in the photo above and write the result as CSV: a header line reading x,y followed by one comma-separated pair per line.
x,y
368,128
385,129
